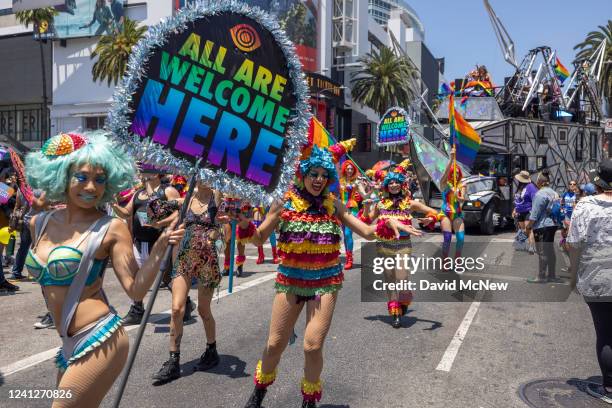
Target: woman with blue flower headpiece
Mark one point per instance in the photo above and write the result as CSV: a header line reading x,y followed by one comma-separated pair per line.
x,y
396,203
310,272
70,250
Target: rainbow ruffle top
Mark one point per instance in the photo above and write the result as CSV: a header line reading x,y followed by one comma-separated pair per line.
x,y
398,209
309,247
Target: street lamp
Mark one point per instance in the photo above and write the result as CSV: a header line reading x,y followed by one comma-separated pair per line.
x,y
321,92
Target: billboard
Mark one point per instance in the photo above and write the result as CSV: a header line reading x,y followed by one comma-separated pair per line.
x,y
299,19
22,5
89,18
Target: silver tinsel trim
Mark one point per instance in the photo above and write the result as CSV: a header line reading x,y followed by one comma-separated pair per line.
x,y
153,153
402,112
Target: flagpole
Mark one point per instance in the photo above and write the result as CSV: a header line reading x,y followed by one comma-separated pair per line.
x,y
347,155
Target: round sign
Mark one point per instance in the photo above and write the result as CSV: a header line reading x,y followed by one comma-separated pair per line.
x,y
220,83
393,127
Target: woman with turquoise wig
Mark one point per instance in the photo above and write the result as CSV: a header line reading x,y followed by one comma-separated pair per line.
x,y
70,251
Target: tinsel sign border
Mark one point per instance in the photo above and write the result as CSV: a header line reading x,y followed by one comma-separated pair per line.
x,y
389,119
144,149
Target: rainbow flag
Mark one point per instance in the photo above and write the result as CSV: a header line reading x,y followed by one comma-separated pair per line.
x,y
561,71
463,135
318,135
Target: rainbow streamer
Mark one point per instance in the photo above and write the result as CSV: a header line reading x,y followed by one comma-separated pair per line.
x,y
463,135
561,71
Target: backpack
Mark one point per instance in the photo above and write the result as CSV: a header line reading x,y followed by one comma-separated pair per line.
x,y
554,209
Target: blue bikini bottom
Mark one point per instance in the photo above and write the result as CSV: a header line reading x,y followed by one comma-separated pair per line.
x,y
86,340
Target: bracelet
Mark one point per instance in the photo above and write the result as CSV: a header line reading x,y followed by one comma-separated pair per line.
x,y
364,218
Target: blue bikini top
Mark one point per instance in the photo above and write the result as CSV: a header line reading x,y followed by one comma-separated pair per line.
x,y
63,261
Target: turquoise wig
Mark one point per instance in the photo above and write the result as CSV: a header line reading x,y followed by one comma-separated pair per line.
x,y
394,176
51,173
320,158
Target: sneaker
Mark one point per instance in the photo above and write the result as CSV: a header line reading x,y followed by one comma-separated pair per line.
x,y
189,308
18,276
397,322
598,391
170,370
135,314
556,280
7,286
208,360
536,280
309,404
256,398
238,272
45,323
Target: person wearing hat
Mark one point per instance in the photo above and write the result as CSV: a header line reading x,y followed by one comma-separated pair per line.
x,y
590,244
523,198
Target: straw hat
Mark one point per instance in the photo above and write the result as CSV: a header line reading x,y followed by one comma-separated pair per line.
x,y
523,177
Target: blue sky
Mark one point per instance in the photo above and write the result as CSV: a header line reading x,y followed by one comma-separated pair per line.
x,y
461,31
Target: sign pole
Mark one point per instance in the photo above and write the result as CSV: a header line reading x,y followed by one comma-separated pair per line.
x,y
165,263
233,224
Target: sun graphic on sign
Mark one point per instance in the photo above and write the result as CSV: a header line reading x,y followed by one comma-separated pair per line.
x,y
245,37
393,113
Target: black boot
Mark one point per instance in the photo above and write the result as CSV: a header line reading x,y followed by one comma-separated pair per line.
x,y
238,272
135,314
256,398
209,359
171,370
309,404
397,321
189,308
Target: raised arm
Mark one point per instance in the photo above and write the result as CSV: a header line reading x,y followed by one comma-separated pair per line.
x,y
369,231
269,224
134,280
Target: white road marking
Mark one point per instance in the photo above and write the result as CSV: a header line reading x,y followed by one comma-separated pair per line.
x,y
453,348
49,354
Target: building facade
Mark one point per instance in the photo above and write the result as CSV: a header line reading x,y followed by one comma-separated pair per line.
x,y
331,37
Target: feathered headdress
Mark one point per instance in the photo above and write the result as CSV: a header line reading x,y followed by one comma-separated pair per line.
x,y
397,174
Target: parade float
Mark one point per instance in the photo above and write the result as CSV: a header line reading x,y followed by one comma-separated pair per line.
x,y
542,117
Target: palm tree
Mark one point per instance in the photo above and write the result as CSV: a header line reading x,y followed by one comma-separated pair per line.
x,y
590,44
113,52
383,81
39,17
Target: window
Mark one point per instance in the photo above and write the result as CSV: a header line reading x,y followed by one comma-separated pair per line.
x,y
579,145
518,133
562,136
541,162
365,137
593,145
542,133
94,122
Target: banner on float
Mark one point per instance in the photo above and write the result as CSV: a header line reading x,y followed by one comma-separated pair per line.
x,y
22,5
393,127
221,83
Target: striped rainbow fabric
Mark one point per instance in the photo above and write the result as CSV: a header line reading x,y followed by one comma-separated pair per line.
x,y
461,132
318,135
560,70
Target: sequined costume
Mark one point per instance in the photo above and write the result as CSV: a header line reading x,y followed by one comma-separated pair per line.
x,y
198,257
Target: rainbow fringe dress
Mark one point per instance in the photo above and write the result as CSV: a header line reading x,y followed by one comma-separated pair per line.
x,y
309,247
